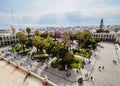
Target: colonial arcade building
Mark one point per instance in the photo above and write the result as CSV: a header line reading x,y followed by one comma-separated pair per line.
x,y
8,39
108,37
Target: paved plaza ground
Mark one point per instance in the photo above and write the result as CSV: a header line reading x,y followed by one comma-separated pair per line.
x,y
110,76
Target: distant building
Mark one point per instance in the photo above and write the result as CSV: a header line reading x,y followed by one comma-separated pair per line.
x,y
108,37
118,37
8,39
101,24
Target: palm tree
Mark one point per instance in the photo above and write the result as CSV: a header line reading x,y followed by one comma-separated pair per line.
x,y
56,35
87,34
66,40
79,37
37,33
22,38
28,30
38,43
41,45
72,36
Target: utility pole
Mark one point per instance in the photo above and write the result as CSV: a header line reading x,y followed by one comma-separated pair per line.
x,y
12,16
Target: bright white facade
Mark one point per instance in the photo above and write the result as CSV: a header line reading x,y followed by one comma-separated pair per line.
x,y
8,39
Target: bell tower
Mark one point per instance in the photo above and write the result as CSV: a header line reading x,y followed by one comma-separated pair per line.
x,y
101,24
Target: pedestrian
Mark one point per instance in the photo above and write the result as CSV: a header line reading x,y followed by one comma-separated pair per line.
x,y
76,71
91,78
69,74
86,74
89,61
103,67
99,67
20,63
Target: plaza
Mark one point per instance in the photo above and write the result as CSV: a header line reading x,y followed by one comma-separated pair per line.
x,y
101,77
59,43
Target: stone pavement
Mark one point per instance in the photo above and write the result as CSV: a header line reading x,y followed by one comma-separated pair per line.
x,y
110,75
53,74
99,58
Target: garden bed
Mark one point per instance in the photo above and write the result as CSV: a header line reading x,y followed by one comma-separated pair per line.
x,y
76,63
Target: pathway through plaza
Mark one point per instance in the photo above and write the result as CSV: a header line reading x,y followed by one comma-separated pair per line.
x,y
110,75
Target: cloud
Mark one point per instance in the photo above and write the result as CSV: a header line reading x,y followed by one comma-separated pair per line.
x,y
49,19
60,12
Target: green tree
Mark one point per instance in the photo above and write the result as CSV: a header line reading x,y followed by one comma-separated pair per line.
x,y
66,40
37,33
69,56
56,48
22,38
87,34
50,34
93,43
28,43
79,37
37,42
49,44
28,30
56,35
44,35
72,36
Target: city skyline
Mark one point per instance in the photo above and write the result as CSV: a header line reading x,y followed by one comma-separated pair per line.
x,y
60,12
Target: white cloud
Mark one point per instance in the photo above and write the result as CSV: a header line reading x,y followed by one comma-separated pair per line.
x,y
61,11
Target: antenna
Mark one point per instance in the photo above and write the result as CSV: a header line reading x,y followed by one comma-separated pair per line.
x,y
12,27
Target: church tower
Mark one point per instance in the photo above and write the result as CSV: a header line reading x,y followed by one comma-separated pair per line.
x,y
101,24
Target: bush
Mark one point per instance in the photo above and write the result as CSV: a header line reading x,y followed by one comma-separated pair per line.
x,y
16,48
84,54
75,50
42,57
76,63
57,63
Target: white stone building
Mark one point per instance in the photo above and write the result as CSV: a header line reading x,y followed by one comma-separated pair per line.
x,y
8,39
109,37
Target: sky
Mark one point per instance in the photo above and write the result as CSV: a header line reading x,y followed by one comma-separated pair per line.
x,y
60,12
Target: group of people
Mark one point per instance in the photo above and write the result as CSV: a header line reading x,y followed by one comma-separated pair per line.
x,y
101,67
68,74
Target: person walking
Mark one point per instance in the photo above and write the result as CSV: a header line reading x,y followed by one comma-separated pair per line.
x,y
99,67
76,71
86,74
103,67
91,78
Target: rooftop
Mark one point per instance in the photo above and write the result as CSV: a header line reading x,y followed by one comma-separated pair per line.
x,y
13,76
